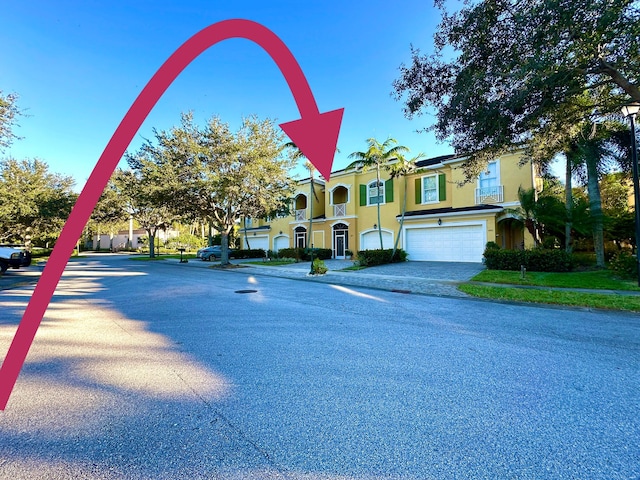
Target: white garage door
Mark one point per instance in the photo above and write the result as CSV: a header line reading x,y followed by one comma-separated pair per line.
x,y
446,244
259,242
371,240
280,242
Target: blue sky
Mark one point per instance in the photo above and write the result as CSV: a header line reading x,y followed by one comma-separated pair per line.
x,y
78,66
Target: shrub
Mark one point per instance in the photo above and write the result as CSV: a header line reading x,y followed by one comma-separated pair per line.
x,y
624,264
583,259
318,267
492,246
185,240
537,260
290,253
370,258
249,253
321,253
305,253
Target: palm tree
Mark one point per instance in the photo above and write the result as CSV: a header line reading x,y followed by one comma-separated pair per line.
x,y
402,168
377,155
297,154
598,146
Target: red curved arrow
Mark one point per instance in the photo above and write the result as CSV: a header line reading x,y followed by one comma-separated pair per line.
x,y
315,134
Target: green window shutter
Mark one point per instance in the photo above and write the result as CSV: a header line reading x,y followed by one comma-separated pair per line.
x,y
442,187
363,195
418,191
388,191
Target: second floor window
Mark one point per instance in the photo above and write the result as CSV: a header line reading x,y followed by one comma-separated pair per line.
x,y
430,189
375,193
489,178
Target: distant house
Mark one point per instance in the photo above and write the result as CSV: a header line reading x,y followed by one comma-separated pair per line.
x,y
120,239
443,221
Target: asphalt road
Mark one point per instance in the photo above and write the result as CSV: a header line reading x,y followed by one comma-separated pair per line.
x,y
147,370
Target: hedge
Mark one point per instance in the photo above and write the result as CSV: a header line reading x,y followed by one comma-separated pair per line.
x,y
536,260
305,253
248,253
370,258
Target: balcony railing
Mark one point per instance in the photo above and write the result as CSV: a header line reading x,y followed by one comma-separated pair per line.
x,y
301,215
340,210
489,194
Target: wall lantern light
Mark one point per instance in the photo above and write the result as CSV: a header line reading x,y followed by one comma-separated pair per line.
x,y
439,221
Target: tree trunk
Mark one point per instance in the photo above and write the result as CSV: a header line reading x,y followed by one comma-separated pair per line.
x,y
379,222
224,246
404,209
595,207
152,243
568,202
246,235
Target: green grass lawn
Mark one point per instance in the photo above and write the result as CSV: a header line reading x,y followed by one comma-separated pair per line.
x,y
595,279
575,299
272,263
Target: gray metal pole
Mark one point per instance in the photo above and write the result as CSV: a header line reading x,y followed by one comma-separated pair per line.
x,y
636,190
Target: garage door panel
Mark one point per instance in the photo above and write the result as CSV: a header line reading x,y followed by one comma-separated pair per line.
x,y
259,242
445,244
371,240
280,243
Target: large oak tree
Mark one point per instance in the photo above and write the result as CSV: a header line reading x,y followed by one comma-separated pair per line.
x,y
504,71
528,74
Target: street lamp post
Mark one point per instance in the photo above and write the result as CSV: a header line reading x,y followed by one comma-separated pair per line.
x,y
630,111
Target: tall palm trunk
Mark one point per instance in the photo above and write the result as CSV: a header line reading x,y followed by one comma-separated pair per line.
x,y
595,206
568,201
404,209
378,205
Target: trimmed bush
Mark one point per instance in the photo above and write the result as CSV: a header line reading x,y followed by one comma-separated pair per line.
x,y
624,264
305,253
537,260
249,253
290,253
321,253
370,258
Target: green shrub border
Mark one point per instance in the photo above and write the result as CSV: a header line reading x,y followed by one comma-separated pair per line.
x,y
370,258
304,254
536,260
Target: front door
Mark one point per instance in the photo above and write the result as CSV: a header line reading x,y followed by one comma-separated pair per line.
x,y
340,240
340,247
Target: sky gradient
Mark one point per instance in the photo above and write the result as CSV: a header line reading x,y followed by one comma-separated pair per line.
x,y
78,67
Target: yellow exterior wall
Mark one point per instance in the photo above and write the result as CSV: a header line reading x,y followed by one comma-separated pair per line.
x,y
363,218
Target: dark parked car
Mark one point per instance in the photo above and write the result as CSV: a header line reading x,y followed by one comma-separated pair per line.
x,y
14,258
213,253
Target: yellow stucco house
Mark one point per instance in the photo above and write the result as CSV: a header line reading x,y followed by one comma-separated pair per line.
x,y
443,221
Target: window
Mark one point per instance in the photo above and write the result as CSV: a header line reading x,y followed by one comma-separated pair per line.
x,y
429,189
489,178
489,189
300,237
375,193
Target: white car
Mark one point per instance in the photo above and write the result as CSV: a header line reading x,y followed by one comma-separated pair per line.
x,y
14,258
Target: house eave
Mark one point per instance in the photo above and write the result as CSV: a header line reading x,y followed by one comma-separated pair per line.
x,y
439,213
